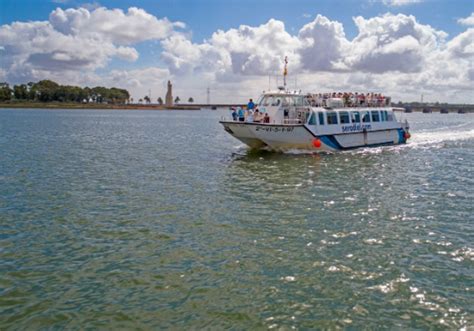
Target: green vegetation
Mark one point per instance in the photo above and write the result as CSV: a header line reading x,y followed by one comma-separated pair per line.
x,y
49,91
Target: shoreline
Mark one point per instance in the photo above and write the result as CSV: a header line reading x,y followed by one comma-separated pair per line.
x,y
66,105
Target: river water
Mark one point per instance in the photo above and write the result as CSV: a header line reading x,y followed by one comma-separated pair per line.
x,y
148,219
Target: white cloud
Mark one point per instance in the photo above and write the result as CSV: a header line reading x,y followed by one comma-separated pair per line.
x,y
462,46
392,43
114,25
467,20
245,51
322,44
77,40
397,3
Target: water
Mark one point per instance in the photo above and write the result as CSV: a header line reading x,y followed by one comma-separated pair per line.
x,y
147,219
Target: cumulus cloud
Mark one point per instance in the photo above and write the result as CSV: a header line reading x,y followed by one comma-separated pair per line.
x,y
113,25
462,46
322,44
384,43
392,43
246,50
77,40
467,20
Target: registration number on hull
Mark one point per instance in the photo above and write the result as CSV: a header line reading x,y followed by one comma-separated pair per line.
x,y
274,129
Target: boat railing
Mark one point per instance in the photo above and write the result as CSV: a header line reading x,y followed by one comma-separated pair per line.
x,y
291,121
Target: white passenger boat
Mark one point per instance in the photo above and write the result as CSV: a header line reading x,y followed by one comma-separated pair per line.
x,y
293,123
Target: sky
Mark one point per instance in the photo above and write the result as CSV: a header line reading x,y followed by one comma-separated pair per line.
x,y
402,48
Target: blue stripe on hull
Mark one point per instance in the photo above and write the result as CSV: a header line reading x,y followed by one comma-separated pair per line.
x,y
331,141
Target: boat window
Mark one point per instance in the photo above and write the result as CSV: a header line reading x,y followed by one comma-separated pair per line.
x,y
344,116
297,101
312,119
366,117
276,101
355,116
265,101
375,116
390,116
285,101
321,118
332,117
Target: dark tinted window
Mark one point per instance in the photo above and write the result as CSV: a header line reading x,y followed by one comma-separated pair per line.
x,y
366,117
375,116
344,116
355,116
332,117
321,118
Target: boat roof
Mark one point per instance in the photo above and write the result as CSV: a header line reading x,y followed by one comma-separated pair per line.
x,y
283,93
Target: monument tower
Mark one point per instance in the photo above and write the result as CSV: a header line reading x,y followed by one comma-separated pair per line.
x,y
169,95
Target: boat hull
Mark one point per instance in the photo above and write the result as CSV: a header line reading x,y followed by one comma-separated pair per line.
x,y
284,137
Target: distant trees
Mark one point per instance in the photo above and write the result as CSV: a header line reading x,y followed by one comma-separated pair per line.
x,y
191,100
5,92
160,101
147,99
177,100
20,92
48,91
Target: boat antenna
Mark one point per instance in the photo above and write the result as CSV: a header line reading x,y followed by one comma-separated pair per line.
x,y
285,72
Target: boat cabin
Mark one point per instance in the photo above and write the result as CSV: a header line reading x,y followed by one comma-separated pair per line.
x,y
285,107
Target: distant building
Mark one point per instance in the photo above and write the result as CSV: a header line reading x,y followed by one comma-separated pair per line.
x,y
169,95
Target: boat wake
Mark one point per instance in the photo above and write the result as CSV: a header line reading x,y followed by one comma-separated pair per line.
x,y
437,137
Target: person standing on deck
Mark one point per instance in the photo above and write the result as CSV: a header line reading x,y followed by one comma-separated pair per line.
x,y
241,114
250,105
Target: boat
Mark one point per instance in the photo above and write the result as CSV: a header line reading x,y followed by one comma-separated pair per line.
x,y
292,120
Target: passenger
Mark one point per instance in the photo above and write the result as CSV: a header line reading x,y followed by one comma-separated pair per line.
x,y
241,114
234,114
249,116
266,118
250,105
256,116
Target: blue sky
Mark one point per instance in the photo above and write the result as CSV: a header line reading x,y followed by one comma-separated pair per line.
x,y
435,25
